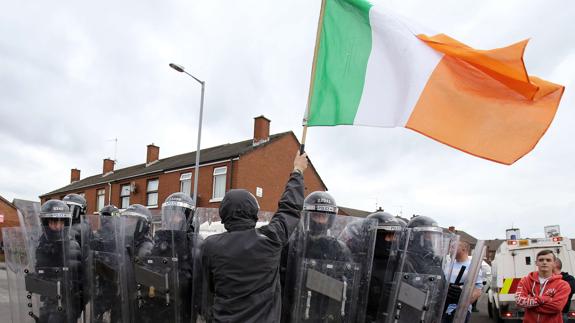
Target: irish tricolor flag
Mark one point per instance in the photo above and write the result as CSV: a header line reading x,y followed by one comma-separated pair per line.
x,y
375,68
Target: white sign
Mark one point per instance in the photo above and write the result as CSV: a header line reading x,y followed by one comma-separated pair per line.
x,y
259,192
1,218
552,231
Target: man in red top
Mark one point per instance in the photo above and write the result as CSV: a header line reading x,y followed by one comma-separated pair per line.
x,y
542,294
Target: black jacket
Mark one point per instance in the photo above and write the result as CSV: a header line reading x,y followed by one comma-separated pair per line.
x,y
242,265
571,281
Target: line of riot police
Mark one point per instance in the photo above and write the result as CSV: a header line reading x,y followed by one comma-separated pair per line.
x,y
111,267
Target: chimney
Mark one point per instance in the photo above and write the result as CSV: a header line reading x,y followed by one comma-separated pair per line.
x,y
261,130
152,154
74,175
451,229
108,166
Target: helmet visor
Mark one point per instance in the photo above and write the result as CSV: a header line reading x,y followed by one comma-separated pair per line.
x,y
429,240
175,217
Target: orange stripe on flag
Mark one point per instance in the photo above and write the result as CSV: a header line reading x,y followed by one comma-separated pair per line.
x,y
503,64
478,102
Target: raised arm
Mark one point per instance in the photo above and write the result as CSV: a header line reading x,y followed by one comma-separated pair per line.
x,y
290,205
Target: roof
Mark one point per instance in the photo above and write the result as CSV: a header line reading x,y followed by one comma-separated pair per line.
x,y
493,244
208,155
7,202
463,236
353,212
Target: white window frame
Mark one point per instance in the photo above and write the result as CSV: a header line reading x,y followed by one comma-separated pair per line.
x,y
122,197
98,195
219,172
150,192
186,178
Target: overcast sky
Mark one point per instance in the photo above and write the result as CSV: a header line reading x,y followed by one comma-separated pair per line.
x,y
76,74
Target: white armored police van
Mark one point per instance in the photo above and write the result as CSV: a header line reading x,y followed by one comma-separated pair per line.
x,y
514,259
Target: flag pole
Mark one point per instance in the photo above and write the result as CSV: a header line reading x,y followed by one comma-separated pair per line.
x,y
312,77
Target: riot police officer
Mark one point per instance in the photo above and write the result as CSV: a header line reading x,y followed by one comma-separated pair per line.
x,y
316,250
109,210
138,231
426,241
77,204
57,265
322,211
105,265
388,230
424,250
80,231
160,299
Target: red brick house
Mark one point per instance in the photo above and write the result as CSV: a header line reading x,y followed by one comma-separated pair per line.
x,y
261,165
8,217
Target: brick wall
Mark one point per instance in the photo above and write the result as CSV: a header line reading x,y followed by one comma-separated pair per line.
x,y
168,184
10,215
269,167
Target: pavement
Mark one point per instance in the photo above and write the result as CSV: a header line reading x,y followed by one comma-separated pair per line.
x,y
481,316
477,317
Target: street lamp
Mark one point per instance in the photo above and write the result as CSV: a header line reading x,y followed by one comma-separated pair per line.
x,y
197,166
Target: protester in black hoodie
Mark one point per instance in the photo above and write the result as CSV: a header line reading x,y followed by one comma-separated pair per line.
x,y
570,280
242,265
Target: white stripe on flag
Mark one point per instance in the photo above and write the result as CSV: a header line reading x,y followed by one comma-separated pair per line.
x,y
397,70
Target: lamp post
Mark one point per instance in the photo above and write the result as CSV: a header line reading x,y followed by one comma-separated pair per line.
x,y
197,166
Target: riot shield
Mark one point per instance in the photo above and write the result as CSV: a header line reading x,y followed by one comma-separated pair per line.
x,y
105,264
469,286
164,280
29,216
420,277
43,274
327,279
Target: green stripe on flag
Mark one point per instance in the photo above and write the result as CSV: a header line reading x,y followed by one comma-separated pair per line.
x,y
344,48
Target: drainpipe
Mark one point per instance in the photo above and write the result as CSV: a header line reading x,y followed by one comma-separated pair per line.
x,y
231,173
109,193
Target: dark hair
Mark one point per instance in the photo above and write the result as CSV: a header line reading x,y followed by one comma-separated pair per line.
x,y
545,252
559,263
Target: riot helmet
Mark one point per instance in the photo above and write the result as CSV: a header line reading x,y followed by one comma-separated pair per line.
x,y
388,228
110,210
353,233
426,235
178,212
56,218
138,221
321,208
77,204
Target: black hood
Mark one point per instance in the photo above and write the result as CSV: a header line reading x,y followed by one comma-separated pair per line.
x,y
239,210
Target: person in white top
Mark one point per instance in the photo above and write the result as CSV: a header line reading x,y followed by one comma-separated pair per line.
x,y
461,259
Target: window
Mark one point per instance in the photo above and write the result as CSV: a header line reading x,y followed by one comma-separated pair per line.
x,y
152,192
186,183
100,199
125,196
219,183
